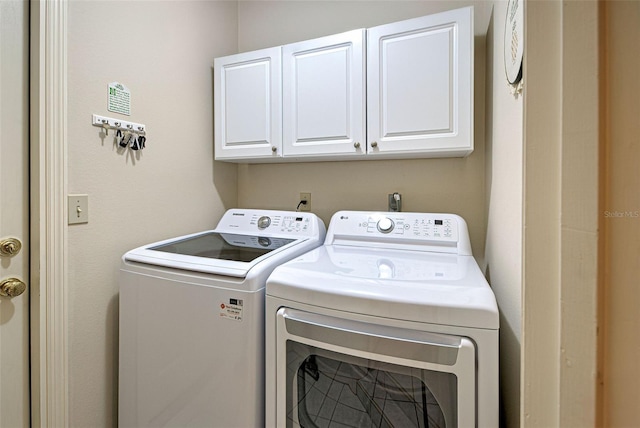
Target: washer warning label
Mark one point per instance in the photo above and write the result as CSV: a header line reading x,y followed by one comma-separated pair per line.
x,y
231,310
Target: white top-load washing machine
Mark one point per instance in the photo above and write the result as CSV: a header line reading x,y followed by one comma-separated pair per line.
x,y
192,320
390,324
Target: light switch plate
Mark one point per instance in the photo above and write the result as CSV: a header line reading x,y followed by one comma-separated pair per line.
x,y
78,209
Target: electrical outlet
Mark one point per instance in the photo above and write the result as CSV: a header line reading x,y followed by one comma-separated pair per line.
x,y
305,197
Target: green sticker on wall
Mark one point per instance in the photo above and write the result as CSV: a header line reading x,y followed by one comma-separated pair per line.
x,y
119,99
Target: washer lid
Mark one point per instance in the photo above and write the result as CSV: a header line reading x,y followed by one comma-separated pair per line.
x,y
211,252
445,289
223,246
243,239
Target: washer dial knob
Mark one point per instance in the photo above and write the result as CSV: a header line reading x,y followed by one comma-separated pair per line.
x,y
264,222
385,225
264,241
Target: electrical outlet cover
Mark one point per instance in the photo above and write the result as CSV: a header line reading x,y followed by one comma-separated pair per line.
x,y
305,197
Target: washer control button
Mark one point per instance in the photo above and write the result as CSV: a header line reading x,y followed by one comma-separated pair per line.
x,y
264,222
385,225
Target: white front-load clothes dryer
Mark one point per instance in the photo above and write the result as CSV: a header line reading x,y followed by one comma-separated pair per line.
x,y
192,320
390,323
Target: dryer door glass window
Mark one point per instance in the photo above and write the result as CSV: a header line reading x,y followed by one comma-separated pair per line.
x,y
338,390
349,373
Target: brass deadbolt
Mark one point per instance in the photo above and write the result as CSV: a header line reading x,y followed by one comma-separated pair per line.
x,y
12,287
10,247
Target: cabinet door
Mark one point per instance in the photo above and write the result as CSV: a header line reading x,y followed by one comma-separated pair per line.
x,y
420,86
323,96
248,106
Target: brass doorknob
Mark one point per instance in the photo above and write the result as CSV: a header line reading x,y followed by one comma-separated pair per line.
x,y
12,287
10,247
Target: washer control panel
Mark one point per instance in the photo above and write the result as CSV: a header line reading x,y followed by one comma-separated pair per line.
x,y
413,229
294,224
270,222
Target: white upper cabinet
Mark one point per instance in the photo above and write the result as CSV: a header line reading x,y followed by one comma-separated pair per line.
x,y
400,90
248,106
323,84
420,86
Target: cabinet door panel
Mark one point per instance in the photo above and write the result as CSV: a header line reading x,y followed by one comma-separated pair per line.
x,y
248,107
420,86
417,88
243,83
323,95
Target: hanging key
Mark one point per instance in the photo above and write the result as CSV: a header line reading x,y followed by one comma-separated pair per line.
x,y
124,141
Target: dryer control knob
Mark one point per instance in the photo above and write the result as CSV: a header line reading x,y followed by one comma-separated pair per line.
x,y
264,222
385,225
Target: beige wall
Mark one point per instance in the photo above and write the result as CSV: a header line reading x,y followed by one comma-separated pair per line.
x,y
503,247
169,47
579,213
429,185
621,351
163,51
485,188
560,213
172,187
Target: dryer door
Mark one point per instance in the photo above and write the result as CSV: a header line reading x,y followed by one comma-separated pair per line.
x,y
342,372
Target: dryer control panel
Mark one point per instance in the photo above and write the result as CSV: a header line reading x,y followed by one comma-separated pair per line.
x,y
442,228
416,231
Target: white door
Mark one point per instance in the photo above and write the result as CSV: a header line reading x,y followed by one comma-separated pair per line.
x,y
14,214
420,86
248,105
323,96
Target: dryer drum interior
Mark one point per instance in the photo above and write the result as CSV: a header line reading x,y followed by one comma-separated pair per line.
x,y
336,388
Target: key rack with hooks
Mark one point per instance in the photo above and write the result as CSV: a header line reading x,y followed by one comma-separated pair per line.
x,y
131,134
